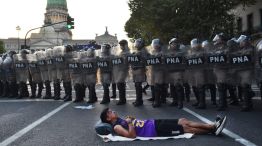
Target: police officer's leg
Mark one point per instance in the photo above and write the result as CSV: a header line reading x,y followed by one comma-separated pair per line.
x,y
173,95
92,93
232,97
179,90
202,97
83,91
14,89
187,91
106,98
40,88
68,91
78,97
57,89
196,93
139,94
33,89
152,93
247,103
157,101
113,90
48,94
213,89
1,88
5,89
222,101
122,93
164,92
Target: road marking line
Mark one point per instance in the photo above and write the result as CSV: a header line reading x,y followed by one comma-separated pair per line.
x,y
225,131
26,100
50,100
31,126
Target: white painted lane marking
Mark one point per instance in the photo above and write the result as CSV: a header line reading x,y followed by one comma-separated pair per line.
x,y
31,126
225,131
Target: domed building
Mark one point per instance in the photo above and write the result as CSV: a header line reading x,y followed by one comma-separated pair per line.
x,y
106,38
58,34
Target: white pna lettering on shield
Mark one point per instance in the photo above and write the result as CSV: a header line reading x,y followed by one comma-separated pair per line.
x,y
173,60
117,61
132,59
240,59
73,65
195,61
102,64
153,61
87,65
216,59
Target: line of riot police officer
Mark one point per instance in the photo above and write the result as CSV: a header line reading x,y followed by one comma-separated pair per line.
x,y
220,64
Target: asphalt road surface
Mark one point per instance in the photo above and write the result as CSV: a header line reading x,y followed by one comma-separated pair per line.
x,y
40,122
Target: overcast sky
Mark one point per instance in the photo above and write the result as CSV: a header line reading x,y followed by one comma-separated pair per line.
x,y
91,17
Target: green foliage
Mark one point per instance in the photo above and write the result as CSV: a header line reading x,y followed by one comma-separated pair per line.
x,y
180,18
2,49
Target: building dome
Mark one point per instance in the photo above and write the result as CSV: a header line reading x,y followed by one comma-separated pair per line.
x,y
56,4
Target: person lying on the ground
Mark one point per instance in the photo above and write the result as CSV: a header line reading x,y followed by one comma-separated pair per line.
x,y
131,127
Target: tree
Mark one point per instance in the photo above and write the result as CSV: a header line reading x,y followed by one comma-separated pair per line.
x,y
181,18
2,49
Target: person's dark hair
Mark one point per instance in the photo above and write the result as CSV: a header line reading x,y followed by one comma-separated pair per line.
x,y
103,116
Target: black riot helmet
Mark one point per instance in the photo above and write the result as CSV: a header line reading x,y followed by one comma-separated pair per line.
x,y
68,48
24,51
123,42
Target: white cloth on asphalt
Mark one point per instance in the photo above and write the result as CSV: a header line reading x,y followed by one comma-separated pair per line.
x,y
110,137
84,107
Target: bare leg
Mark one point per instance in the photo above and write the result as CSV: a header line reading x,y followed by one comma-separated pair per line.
x,y
195,130
186,123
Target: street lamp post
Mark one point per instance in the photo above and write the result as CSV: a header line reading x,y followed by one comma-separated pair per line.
x,y
18,28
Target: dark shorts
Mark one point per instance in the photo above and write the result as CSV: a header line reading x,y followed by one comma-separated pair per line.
x,y
168,127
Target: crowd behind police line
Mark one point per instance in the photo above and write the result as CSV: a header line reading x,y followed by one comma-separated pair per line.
x,y
223,66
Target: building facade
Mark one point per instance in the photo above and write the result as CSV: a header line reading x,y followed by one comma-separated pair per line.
x,y
249,20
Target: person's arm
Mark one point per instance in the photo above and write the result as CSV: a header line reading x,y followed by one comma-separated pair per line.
x,y
130,133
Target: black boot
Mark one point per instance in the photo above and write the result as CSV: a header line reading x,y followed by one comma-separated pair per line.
x,y
145,88
68,91
78,97
122,93
106,98
57,90
152,93
222,101
196,92
1,88
139,94
92,94
33,90
40,88
173,95
233,96
65,89
202,98
157,101
14,87
48,94
83,91
213,89
247,104
180,95
187,91
23,90
164,92
5,89
113,91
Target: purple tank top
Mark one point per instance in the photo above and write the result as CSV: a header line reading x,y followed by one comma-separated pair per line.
x,y
143,128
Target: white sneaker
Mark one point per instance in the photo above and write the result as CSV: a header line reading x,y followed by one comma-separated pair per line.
x,y
220,125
